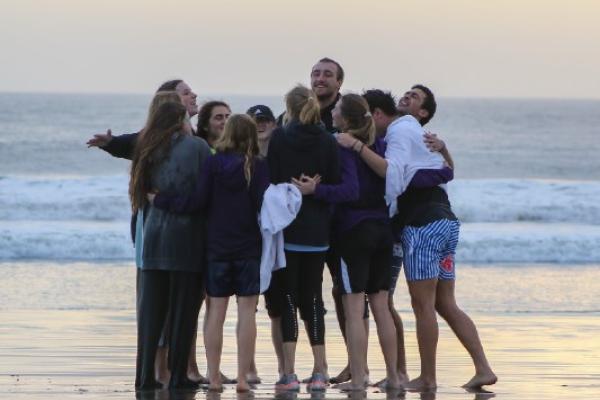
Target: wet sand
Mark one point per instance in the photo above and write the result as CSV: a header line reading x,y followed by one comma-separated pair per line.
x,y
68,331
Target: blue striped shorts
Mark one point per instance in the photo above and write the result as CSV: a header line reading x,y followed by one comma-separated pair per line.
x,y
429,250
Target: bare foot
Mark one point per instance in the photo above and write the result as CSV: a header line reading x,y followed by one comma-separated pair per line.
x,y
215,387
343,376
420,385
227,380
349,387
252,378
483,379
242,386
386,384
403,378
194,374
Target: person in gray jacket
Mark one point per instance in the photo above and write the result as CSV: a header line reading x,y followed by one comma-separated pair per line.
x,y
167,159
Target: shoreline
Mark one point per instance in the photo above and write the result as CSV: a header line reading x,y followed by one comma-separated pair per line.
x,y
89,353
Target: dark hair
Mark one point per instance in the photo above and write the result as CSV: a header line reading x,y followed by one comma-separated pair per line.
x,y
152,145
340,71
429,103
169,86
385,101
204,116
355,110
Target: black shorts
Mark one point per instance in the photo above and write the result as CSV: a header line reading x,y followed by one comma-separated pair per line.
x,y
366,258
226,278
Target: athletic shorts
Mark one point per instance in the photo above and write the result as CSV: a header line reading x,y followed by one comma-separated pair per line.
x,y
396,266
226,278
366,258
429,250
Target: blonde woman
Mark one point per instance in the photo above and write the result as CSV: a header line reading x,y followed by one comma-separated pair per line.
x,y
303,148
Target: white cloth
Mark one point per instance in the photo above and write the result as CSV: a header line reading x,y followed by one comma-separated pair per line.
x,y
281,203
406,153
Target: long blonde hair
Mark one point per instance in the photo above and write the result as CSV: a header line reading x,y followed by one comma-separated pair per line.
x,y
240,136
152,146
355,110
302,105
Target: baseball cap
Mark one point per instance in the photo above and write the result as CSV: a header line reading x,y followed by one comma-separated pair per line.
x,y
261,111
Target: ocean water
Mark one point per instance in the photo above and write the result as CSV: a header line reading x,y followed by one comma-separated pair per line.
x,y
526,186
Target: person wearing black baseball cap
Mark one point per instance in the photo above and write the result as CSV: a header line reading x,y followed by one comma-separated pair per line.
x,y
265,122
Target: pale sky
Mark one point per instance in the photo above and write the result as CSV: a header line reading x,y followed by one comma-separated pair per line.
x,y
481,48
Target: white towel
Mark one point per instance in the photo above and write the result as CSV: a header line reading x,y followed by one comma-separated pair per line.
x,y
280,206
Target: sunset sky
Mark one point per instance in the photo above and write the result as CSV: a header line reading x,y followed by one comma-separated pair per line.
x,y
489,48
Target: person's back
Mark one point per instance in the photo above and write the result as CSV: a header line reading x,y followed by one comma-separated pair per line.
x,y
233,231
173,241
305,149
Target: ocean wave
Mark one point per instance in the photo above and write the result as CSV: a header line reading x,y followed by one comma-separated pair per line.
x,y
511,200
480,243
104,198
95,198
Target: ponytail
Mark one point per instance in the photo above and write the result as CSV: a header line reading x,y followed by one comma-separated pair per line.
x,y
355,110
302,105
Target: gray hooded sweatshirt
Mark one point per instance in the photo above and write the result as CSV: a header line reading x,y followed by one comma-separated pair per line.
x,y
175,242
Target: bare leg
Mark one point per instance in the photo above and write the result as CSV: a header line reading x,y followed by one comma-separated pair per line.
x,y
289,357
422,294
213,339
387,339
161,366
356,340
465,330
344,374
401,358
246,339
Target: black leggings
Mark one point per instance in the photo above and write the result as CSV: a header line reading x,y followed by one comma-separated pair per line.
x,y
161,293
302,281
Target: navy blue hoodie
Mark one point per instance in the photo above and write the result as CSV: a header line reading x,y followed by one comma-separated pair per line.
x,y
231,205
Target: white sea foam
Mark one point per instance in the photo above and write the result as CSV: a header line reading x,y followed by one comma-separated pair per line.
x,y
508,200
518,221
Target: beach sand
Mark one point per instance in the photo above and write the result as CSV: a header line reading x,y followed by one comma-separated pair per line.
x,y
68,331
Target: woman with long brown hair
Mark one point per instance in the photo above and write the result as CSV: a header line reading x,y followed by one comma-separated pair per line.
x,y
168,159
229,192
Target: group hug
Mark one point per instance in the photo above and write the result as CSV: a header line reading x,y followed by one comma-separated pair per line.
x,y
249,204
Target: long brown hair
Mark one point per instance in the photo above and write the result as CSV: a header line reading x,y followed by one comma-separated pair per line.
x,y
302,105
152,146
240,136
160,98
355,110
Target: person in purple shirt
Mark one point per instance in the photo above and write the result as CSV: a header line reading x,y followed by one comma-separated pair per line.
x,y
230,192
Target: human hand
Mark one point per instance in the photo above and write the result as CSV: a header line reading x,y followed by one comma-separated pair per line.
x,y
306,184
432,142
100,139
345,140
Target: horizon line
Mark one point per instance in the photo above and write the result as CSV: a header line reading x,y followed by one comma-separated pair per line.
x,y
211,95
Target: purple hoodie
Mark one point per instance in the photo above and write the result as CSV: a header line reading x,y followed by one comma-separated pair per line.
x,y
360,195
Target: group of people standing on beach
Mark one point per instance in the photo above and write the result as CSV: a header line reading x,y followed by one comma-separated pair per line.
x,y
250,204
